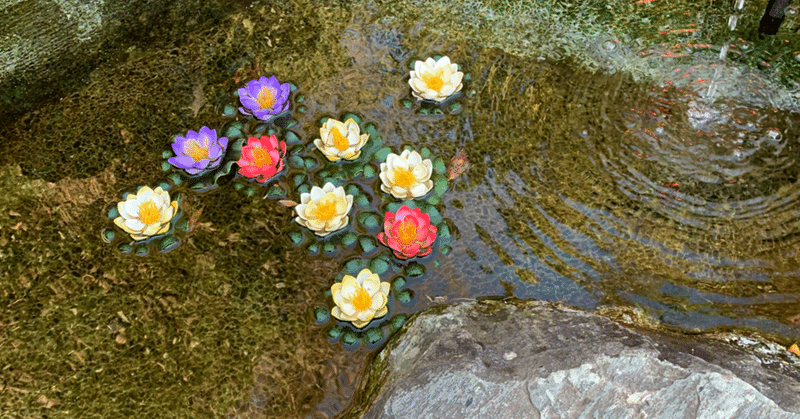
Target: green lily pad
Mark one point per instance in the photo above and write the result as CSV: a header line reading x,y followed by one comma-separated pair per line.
x,y
398,321
379,266
168,243
425,152
369,171
296,237
334,333
322,315
405,296
415,270
373,336
440,186
349,239
313,249
229,111
370,221
382,154
439,166
367,244
296,162
354,266
350,338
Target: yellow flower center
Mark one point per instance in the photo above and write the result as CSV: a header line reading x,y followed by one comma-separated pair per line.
x,y
404,178
148,212
407,233
261,157
196,151
361,299
326,208
339,140
266,98
433,80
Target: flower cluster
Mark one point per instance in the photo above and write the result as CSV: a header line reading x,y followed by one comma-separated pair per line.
x,y
407,231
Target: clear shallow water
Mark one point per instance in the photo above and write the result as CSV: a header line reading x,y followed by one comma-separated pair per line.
x,y
594,188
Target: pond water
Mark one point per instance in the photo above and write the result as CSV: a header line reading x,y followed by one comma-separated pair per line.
x,y
623,155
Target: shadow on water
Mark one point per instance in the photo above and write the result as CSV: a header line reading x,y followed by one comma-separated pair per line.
x,y
592,188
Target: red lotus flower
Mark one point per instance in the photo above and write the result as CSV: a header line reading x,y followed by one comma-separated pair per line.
x,y
262,158
408,233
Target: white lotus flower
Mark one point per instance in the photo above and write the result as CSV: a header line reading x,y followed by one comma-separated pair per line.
x,y
435,80
406,176
146,213
340,140
360,299
324,210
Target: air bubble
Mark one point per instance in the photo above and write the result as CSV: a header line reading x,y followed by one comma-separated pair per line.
x,y
791,11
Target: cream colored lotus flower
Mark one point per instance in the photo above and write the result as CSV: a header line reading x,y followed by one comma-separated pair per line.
x,y
406,176
146,213
340,140
435,80
324,210
360,299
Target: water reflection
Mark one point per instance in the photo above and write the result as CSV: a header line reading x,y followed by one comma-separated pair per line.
x,y
594,190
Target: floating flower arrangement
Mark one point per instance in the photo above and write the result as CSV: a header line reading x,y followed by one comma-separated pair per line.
x,y
370,196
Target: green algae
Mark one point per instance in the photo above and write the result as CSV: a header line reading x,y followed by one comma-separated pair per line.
x,y
223,323
90,333
87,332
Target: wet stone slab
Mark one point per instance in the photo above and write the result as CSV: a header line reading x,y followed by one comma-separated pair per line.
x,y
494,359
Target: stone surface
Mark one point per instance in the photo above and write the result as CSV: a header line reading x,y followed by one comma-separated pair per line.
x,y
47,46
494,359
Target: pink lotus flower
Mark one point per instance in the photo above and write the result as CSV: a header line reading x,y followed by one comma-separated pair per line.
x,y
262,158
408,233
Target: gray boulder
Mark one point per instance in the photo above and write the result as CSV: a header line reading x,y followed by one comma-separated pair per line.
x,y
495,359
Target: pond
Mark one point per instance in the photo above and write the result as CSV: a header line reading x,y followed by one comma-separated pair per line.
x,y
634,158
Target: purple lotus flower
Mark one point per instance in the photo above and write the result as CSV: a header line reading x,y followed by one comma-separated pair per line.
x,y
264,98
197,152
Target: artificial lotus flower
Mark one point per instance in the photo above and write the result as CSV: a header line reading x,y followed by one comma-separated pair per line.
x,y
198,151
435,80
265,98
324,210
360,299
340,140
262,158
406,176
146,213
408,233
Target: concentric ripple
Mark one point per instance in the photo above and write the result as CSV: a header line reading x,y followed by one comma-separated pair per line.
x,y
596,190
